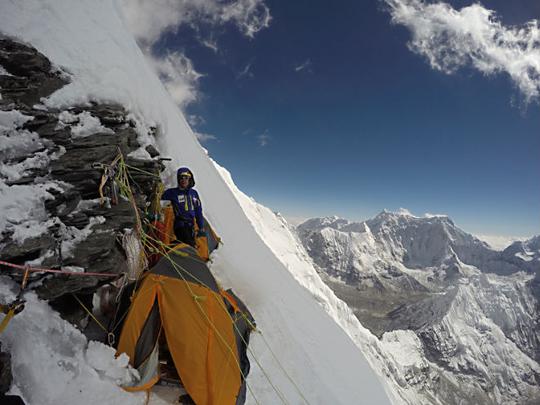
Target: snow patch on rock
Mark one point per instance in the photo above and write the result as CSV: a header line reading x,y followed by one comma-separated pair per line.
x,y
53,363
83,124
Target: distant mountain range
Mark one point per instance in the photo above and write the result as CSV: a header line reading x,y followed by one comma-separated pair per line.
x,y
460,317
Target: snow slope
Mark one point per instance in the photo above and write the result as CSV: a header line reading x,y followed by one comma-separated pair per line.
x,y
87,39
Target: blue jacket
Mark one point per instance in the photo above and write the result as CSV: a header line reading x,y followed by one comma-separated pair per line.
x,y
186,205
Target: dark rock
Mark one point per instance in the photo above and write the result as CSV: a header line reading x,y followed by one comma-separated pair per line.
x,y
22,60
145,174
64,203
152,151
33,76
78,220
110,115
5,372
29,91
71,310
30,249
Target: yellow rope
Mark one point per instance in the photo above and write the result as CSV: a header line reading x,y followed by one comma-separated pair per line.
x,y
7,318
143,171
91,314
207,318
125,189
220,301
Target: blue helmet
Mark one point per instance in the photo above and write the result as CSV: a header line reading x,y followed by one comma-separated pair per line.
x,y
184,171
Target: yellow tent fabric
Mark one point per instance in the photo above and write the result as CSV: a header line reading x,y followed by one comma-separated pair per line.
x,y
197,327
205,245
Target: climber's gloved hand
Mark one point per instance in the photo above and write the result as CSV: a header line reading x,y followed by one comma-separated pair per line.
x,y
201,233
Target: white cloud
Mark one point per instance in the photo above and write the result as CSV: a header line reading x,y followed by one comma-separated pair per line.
x,y
246,72
210,43
306,65
195,120
500,242
202,137
177,73
473,36
150,20
264,138
250,16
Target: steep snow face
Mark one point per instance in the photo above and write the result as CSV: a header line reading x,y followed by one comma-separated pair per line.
x,y
302,355
470,343
465,357
425,242
463,334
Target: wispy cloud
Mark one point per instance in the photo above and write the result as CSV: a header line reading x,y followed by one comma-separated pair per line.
x,y
203,138
150,20
245,72
180,78
264,138
195,120
210,43
306,65
472,36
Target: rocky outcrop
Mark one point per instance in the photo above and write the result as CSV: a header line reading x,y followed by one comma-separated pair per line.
x,y
72,147
5,372
31,75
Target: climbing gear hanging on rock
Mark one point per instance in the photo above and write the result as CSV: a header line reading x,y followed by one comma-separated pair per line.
x,y
109,173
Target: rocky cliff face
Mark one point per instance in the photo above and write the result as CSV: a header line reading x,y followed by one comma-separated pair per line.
x,y
460,320
51,167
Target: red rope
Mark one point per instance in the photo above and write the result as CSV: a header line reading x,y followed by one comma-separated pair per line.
x,y
44,270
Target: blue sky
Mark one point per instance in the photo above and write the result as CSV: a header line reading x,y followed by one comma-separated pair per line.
x,y
328,112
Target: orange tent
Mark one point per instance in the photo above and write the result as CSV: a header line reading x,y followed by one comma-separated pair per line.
x,y
206,330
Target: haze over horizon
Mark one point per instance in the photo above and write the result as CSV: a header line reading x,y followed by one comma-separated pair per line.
x,y
350,110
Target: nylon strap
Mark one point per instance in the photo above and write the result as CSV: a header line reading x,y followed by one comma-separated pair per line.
x,y
7,318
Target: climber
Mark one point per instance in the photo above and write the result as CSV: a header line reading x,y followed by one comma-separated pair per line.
x,y
187,208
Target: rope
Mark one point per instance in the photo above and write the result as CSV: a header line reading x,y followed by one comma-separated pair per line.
x,y
175,266
143,171
91,314
220,301
147,401
55,271
7,318
125,188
